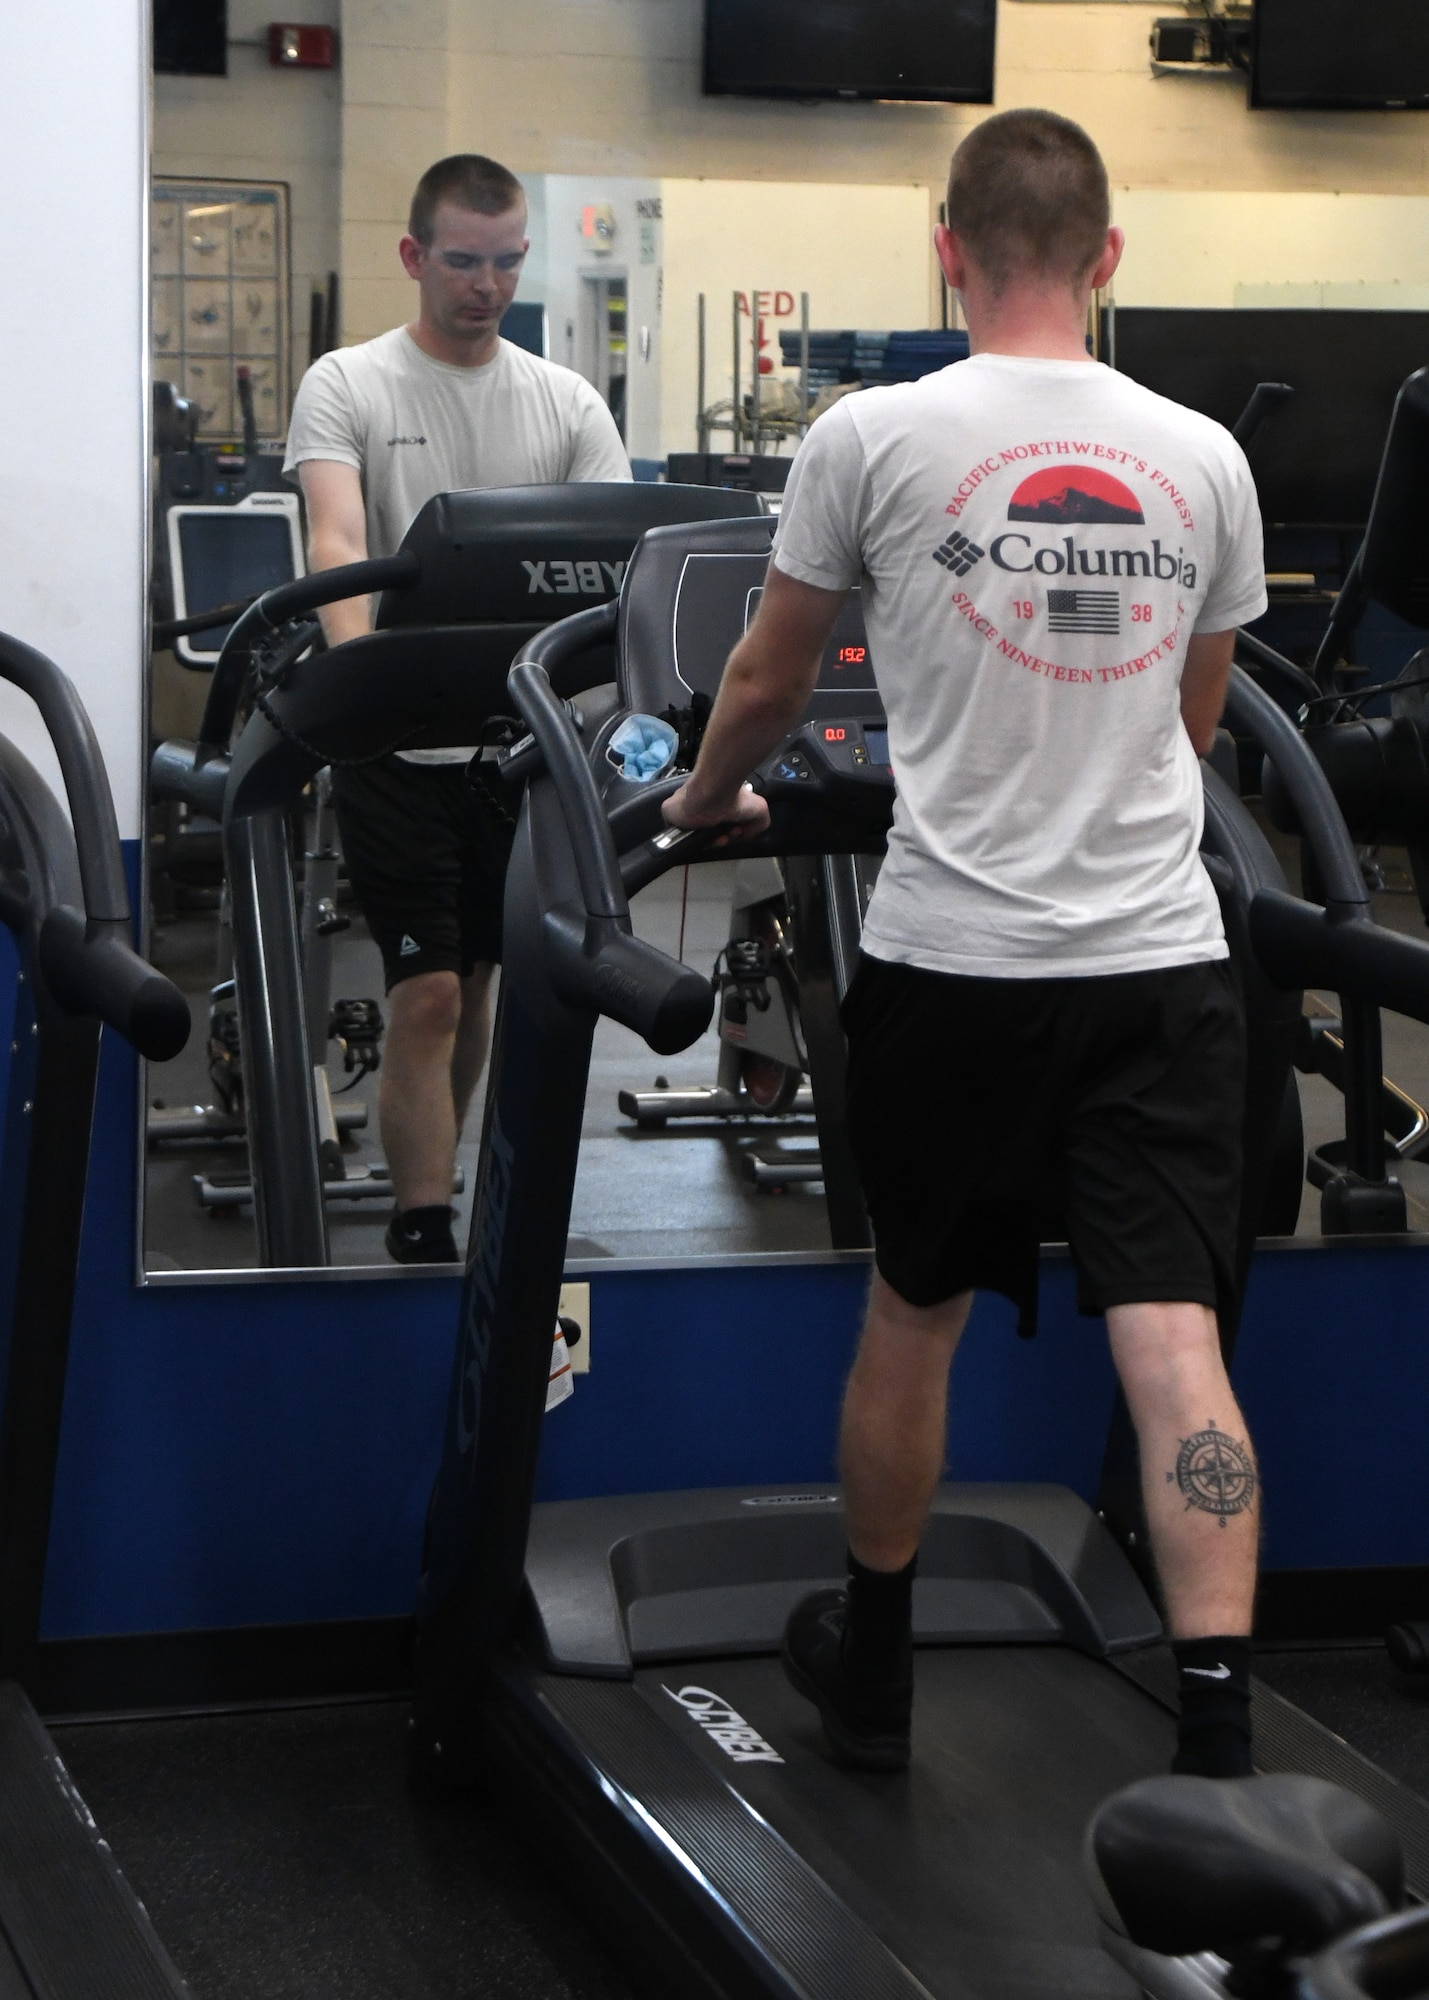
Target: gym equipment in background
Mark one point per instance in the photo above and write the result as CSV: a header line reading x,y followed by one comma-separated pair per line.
x,y
228,526
775,410
242,537
1378,768
609,1663
780,980
791,952
1316,466
70,1926
356,1025
478,574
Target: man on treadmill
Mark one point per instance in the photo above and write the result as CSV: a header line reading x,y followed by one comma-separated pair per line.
x,y
378,430
1053,563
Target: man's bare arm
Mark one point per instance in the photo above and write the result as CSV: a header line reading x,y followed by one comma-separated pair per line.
x,y
766,687
337,533
1204,681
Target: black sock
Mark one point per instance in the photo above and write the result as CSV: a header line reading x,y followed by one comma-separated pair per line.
x,y
1213,1740
426,1226
878,1635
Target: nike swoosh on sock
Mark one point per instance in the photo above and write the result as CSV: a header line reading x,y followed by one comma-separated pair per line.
x,y
1209,1673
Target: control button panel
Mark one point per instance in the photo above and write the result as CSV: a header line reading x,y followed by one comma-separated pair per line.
x,y
826,754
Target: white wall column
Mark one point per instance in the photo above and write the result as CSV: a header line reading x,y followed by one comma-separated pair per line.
x,y
74,467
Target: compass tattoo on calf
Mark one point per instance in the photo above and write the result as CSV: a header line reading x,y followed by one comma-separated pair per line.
x,y
1215,1473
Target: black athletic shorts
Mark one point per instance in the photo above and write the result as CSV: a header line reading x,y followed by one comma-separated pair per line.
x,y
990,1115
426,856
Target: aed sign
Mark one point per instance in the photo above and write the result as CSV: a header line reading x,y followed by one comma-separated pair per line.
x,y
769,305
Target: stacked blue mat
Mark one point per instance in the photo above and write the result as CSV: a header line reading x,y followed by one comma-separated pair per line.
x,y
874,359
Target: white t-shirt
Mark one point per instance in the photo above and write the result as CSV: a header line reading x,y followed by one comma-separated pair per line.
x,y
414,427
1036,541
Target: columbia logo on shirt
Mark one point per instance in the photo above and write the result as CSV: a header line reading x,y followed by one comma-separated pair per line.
x,y
959,554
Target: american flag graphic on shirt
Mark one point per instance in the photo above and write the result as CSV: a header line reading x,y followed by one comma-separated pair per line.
x,y
1084,610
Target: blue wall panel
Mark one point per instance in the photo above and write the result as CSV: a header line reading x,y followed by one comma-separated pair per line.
x,y
1333,1370
733,1377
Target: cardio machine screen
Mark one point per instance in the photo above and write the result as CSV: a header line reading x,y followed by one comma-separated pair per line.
x,y
230,554
715,604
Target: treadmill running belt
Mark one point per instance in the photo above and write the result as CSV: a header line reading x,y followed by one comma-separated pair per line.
x,y
969,1866
967,1869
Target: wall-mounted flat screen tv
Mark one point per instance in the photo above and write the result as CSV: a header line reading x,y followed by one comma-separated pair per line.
x,y
190,37
1340,55
932,50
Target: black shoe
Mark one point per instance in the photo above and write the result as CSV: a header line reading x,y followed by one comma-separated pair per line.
x,y
868,1724
422,1236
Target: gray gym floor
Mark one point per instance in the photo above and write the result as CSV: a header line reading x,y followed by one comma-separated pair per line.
x,y
680,1192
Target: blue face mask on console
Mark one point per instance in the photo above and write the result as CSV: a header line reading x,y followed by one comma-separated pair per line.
x,y
644,747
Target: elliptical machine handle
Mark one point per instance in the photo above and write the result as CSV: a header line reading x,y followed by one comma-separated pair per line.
x,y
90,969
1265,399
87,959
86,781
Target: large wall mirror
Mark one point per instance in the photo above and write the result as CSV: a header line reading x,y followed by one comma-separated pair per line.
x,y
686,304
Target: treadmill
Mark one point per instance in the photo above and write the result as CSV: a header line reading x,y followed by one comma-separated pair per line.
x,y
610,1666
70,1926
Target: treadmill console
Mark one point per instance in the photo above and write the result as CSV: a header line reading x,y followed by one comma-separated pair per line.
x,y
716,598
690,595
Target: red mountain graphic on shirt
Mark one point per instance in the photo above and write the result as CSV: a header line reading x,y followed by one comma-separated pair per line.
x,y
1068,493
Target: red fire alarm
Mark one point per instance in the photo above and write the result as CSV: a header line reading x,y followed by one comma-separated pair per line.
x,y
291,46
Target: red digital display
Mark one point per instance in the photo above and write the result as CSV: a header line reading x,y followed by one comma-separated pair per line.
x,y
852,656
835,735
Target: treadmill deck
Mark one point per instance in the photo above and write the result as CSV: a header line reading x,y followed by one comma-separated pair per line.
x,y
965,1870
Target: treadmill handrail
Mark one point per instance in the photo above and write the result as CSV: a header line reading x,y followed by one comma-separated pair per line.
x,y
86,780
274,608
1251,709
549,721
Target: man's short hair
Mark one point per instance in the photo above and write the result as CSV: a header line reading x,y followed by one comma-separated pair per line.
x,y
468,180
1029,198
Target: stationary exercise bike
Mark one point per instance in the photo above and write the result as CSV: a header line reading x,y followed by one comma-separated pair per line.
x,y
1257,1888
